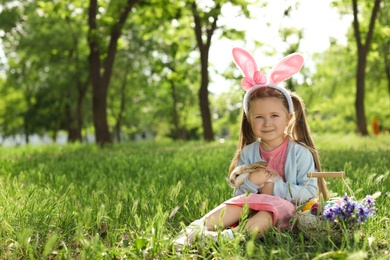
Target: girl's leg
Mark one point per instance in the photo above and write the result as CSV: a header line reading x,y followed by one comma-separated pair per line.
x,y
259,223
223,216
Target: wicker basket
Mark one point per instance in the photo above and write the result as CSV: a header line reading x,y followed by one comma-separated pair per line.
x,y
315,227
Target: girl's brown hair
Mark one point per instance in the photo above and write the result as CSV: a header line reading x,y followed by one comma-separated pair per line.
x,y
297,130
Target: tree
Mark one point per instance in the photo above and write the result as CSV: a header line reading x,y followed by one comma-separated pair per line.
x,y
171,67
384,46
50,38
205,20
125,91
206,25
76,57
292,37
101,61
156,48
363,50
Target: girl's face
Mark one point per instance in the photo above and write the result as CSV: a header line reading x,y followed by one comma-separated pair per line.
x,y
269,118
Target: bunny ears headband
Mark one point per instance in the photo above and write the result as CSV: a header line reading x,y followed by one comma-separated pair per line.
x,y
253,79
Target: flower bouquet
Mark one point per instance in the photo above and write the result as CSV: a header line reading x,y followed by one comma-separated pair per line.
x,y
334,218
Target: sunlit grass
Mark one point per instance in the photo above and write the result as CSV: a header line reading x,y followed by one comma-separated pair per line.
x,y
130,200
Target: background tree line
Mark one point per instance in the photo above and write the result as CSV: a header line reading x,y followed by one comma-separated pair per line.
x,y
127,67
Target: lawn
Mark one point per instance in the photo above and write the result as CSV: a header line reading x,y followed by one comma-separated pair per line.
x,y
129,201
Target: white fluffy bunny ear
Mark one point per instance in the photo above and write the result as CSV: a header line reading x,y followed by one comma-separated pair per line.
x,y
286,68
245,61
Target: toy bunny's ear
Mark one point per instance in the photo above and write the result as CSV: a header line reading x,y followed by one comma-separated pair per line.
x,y
247,64
286,68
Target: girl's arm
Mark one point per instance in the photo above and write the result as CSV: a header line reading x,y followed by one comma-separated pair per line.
x,y
298,188
259,178
268,188
246,187
253,183
248,155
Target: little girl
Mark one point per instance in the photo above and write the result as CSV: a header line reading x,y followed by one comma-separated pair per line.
x,y
273,130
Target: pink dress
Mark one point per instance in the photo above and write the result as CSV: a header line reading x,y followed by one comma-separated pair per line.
x,y
283,210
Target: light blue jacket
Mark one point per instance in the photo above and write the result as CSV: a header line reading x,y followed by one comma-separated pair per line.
x,y
298,188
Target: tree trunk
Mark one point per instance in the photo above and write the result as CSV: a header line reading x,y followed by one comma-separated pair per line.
x,y
208,134
73,131
386,61
363,50
26,131
204,48
100,82
99,93
75,116
175,114
360,93
26,119
99,109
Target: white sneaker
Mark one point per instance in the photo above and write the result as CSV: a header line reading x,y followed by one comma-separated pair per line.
x,y
226,235
211,234
187,236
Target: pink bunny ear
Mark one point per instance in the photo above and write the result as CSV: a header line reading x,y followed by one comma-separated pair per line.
x,y
248,66
286,68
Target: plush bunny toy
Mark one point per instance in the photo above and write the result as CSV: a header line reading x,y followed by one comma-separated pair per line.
x,y
240,173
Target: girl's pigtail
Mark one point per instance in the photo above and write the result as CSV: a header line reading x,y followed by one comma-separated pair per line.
x,y
299,131
246,137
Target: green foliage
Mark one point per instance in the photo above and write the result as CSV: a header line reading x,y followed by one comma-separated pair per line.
x,y
226,109
130,200
329,94
156,75
45,69
9,18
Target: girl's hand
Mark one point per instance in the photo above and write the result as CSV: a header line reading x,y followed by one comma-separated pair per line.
x,y
268,188
259,177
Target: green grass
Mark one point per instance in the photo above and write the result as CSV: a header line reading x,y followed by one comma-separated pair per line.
x,y
130,200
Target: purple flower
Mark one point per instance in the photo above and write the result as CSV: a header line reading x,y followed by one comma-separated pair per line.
x,y
329,214
349,210
337,209
362,213
369,202
345,198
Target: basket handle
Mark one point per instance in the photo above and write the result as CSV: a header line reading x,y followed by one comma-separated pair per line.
x,y
326,174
